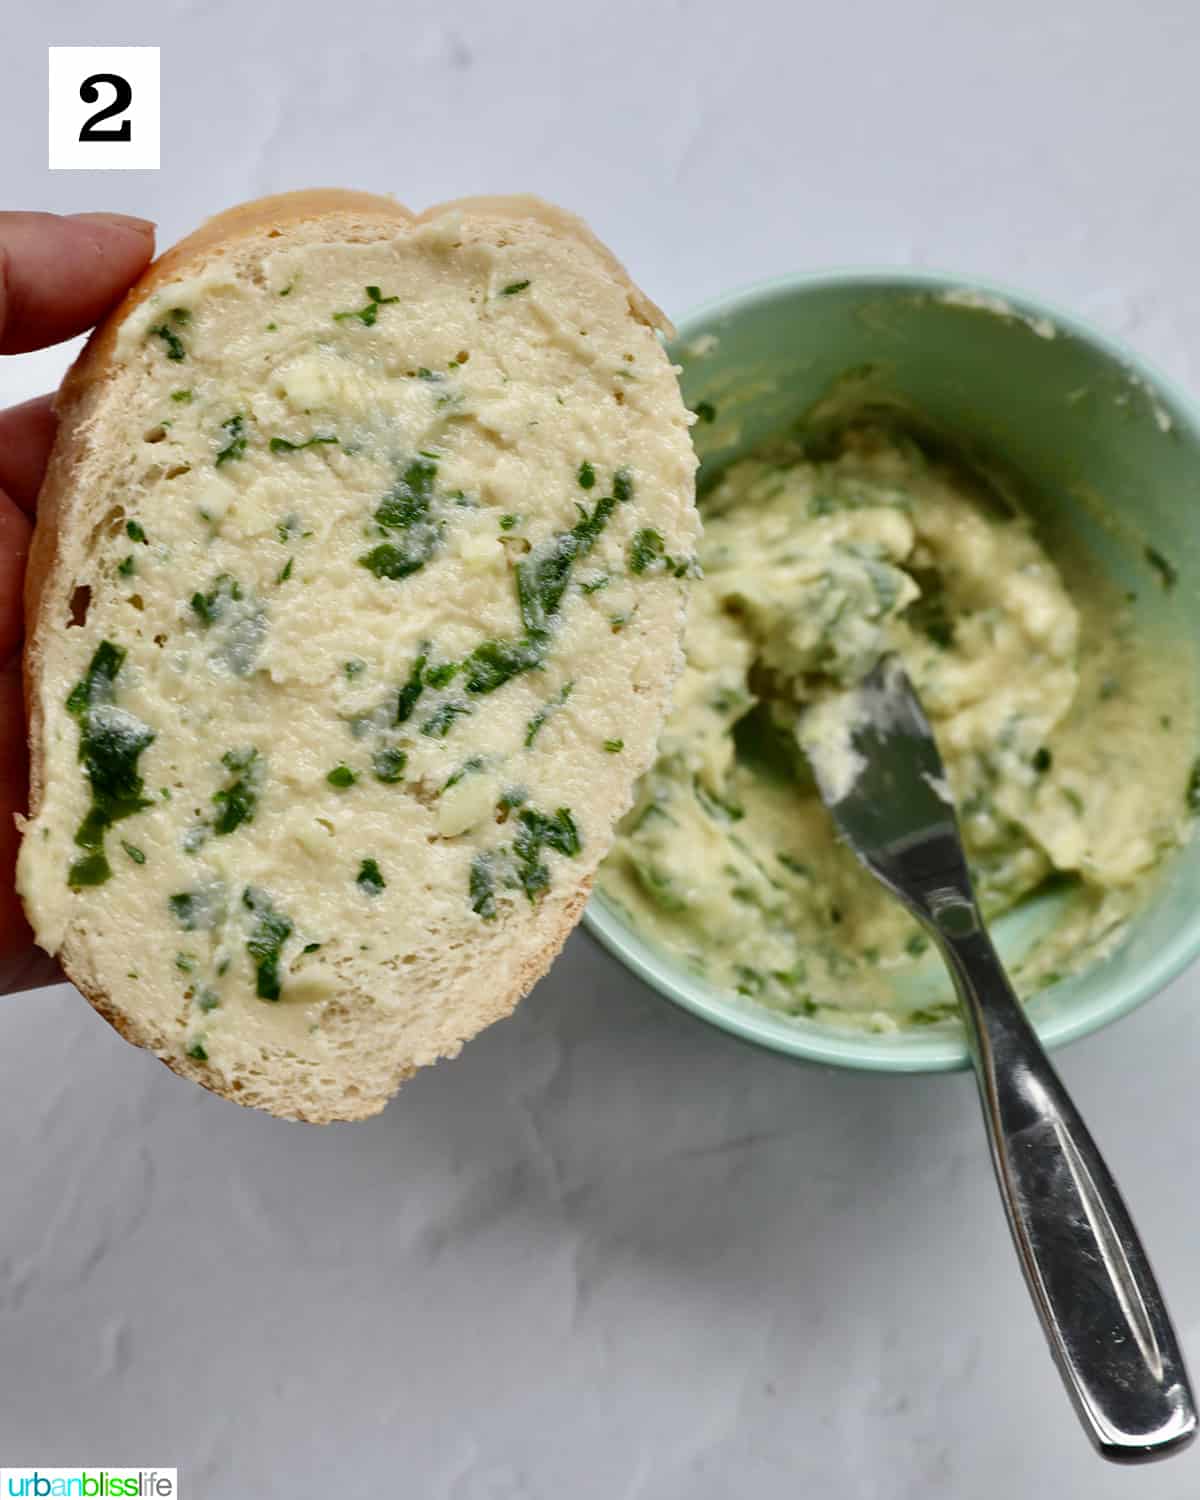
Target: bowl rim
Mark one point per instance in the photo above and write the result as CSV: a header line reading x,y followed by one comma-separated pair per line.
x,y
867,1051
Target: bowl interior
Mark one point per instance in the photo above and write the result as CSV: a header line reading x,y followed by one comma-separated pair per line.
x,y
1106,450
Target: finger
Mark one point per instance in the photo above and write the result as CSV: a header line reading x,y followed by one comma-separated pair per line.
x,y
26,437
15,935
59,275
14,548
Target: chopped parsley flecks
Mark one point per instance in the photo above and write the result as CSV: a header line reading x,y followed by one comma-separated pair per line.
x,y
355,667
407,502
283,445
137,855
265,944
388,765
369,879
493,663
1042,760
622,486
286,571
705,411
508,522
290,526
197,910
647,551
209,607
513,796
538,831
1168,574
720,809
1193,789
614,747
406,698
646,548
182,906
405,517
468,768
173,343
750,981
439,723
126,566
932,1015
513,288
443,674
134,531
233,432
182,396
481,886
196,1051
522,865
368,314
534,727
195,838
542,578
245,628
586,475
342,777
237,802
111,740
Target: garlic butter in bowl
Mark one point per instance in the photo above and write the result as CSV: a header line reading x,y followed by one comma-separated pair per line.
x,y
913,464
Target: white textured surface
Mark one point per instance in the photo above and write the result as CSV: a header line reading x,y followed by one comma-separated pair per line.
x,y
609,1254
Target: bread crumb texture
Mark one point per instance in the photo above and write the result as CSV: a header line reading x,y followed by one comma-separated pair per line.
x,y
333,618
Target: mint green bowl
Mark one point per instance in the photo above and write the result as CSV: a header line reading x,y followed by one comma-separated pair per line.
x,y
1107,448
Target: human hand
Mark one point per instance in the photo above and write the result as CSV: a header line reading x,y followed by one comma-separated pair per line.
x,y
58,276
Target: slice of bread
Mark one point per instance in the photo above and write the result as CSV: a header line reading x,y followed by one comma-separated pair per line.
x,y
354,608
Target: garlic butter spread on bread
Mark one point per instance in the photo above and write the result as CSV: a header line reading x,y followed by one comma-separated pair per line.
x,y
355,604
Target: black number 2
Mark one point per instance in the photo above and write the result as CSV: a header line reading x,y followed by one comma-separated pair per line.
x,y
122,99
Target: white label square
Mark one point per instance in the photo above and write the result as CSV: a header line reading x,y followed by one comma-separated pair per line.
x,y
104,108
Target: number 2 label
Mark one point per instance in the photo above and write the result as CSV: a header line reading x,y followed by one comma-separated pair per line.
x,y
89,91
104,108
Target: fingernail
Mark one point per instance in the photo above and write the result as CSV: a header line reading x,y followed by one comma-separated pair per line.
x,y
119,221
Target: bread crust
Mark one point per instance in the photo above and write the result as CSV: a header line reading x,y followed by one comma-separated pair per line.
x,y
77,398
362,1109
